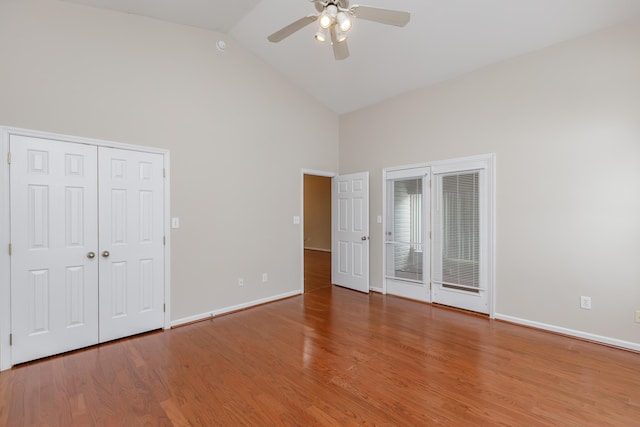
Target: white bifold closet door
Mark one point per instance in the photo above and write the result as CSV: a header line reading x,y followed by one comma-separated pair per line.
x,y
87,257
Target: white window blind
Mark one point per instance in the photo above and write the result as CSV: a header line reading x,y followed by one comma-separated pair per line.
x,y
460,231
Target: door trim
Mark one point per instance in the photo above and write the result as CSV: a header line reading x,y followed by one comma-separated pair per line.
x,y
304,172
5,224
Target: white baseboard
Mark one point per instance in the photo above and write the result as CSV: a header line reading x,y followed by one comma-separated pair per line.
x,y
571,332
316,249
376,289
225,310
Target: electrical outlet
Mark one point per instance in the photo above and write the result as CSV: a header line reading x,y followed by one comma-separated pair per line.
x,y
240,282
637,316
265,277
585,302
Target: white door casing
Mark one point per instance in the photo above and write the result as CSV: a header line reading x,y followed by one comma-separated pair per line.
x,y
131,242
54,276
350,223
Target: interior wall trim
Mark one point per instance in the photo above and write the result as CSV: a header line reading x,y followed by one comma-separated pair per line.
x,y
628,345
230,309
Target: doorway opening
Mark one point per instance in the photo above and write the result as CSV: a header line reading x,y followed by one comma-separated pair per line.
x,y
317,231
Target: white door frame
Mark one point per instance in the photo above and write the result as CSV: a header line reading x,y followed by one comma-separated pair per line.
x,y
304,172
5,225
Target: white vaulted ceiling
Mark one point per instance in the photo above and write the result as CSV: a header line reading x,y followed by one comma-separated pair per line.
x,y
444,38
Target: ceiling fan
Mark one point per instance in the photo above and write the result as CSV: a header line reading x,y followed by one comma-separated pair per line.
x,y
335,18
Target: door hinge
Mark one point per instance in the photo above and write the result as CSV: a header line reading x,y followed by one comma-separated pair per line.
x,y
164,240
10,249
9,157
164,308
10,339
164,173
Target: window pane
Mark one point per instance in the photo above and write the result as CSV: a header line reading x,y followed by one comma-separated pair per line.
x,y
461,230
404,256
406,261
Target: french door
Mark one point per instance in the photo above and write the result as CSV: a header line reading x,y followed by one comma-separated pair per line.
x,y
439,233
462,234
407,228
87,256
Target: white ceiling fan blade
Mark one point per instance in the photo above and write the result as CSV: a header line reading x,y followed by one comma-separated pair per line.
x,y
340,49
292,28
383,16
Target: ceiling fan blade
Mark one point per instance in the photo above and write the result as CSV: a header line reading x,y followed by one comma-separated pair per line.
x,y
340,49
292,28
383,16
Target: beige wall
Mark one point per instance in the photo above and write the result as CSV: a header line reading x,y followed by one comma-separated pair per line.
x,y
317,212
564,123
237,131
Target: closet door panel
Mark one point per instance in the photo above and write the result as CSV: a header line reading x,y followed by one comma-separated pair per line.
x,y
54,278
131,242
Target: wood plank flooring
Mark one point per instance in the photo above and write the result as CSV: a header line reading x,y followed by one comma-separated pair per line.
x,y
332,357
317,270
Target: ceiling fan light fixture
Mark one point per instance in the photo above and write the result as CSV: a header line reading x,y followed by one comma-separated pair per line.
x,y
334,19
321,36
344,22
340,35
325,20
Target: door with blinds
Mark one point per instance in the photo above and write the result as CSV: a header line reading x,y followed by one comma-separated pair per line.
x,y
461,238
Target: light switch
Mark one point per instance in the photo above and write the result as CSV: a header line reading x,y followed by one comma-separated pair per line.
x,y
296,220
175,222
379,219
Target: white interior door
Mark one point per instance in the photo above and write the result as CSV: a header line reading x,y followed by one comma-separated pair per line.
x,y
131,242
350,222
54,277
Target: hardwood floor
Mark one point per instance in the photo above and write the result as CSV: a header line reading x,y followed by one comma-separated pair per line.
x,y
332,357
317,270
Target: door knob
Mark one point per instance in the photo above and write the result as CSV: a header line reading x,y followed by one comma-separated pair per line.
x,y
105,254
364,238
91,255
